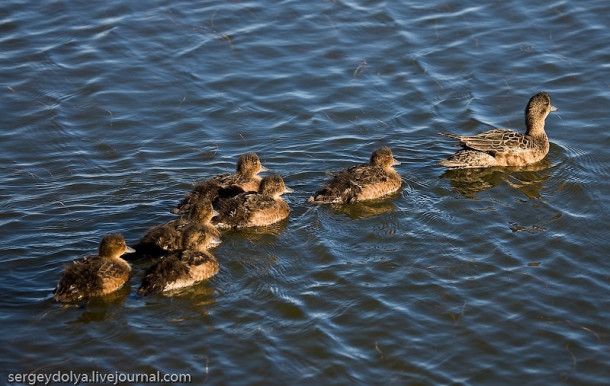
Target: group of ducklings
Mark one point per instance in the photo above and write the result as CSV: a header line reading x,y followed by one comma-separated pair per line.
x,y
243,199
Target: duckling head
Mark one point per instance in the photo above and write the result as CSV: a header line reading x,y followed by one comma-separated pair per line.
x,y
383,158
196,239
249,165
202,212
537,109
273,186
113,245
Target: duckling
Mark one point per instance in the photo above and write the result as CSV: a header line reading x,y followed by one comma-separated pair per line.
x,y
362,182
183,267
168,237
245,179
94,276
251,209
503,147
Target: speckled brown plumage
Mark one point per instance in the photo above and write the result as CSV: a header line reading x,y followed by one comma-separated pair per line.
x,y
254,209
245,179
181,268
98,275
362,182
503,147
168,237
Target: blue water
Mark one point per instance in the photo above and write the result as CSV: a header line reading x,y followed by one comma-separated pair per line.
x,y
111,110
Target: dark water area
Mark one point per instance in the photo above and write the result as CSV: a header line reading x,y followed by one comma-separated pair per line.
x,y
111,110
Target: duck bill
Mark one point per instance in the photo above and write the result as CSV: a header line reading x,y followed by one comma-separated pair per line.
x,y
215,213
288,190
129,249
263,169
215,241
396,163
553,108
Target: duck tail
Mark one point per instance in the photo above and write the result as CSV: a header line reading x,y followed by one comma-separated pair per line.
x,y
469,159
454,136
148,288
452,164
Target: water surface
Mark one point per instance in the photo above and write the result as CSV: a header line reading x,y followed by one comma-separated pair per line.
x,y
111,111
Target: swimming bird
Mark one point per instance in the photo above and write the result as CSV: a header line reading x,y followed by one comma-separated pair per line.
x,y
503,147
245,179
168,237
362,182
251,209
94,276
181,268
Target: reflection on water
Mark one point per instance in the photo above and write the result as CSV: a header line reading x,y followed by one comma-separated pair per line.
x,y
259,233
100,308
527,179
530,229
364,209
199,298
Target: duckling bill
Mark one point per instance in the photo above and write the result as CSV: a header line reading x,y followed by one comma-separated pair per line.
x,y
503,147
94,276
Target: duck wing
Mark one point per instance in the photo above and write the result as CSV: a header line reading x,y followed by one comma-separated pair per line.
x,y
161,238
195,258
166,270
343,187
232,183
366,174
80,280
114,275
494,141
201,264
203,190
231,210
241,210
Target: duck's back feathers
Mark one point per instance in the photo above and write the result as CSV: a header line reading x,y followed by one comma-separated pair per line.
x,y
245,179
345,186
240,182
469,159
168,237
202,264
168,269
362,182
91,276
219,187
178,269
250,209
95,275
495,141
80,280
160,239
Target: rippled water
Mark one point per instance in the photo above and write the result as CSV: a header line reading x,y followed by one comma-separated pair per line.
x,y
110,110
